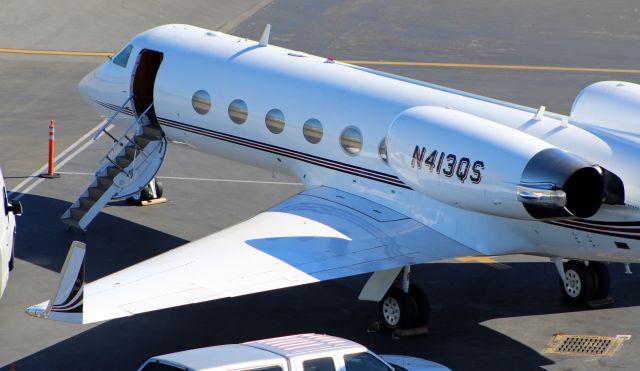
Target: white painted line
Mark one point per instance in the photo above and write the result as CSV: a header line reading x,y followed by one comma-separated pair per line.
x,y
200,179
35,179
232,23
59,165
62,154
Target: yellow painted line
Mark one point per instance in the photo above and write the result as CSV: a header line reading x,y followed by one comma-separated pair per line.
x,y
488,260
55,52
476,259
492,66
373,63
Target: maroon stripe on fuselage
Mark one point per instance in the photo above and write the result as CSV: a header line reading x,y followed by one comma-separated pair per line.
x,y
323,162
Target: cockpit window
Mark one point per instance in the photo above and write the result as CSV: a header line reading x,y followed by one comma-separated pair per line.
x,y
123,57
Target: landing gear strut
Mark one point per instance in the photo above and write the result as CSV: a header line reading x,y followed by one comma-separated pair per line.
x,y
584,283
404,306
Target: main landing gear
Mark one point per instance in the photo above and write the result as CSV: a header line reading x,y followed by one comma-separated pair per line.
x,y
404,306
584,282
402,310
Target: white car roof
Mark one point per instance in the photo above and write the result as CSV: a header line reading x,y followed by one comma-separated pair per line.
x,y
306,344
220,357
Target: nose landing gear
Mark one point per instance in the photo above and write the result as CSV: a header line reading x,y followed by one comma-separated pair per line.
x,y
151,194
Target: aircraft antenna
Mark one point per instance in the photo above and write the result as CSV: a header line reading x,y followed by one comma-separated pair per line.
x,y
540,114
264,40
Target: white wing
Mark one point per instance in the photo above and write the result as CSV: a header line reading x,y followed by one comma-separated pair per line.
x,y
314,236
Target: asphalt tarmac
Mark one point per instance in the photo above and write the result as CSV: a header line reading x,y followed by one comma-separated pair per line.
x,y
482,317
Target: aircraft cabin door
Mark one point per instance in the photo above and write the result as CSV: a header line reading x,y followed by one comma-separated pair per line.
x,y
4,223
143,81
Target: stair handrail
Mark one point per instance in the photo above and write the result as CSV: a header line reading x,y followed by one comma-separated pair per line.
x,y
108,122
119,143
135,166
135,125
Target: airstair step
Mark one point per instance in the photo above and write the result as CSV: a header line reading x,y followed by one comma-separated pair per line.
x,y
152,132
104,182
77,213
123,161
113,171
131,151
131,155
143,140
86,203
95,193
72,223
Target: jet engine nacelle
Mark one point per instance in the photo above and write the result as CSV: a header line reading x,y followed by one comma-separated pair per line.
x,y
613,102
480,165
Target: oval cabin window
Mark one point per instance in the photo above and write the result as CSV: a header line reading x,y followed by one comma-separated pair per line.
x,y
312,131
351,140
238,111
201,102
275,121
382,149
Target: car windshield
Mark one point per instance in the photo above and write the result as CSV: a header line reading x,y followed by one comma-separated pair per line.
x,y
157,366
364,362
398,368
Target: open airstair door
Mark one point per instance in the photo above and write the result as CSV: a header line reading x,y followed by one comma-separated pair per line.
x,y
143,82
135,158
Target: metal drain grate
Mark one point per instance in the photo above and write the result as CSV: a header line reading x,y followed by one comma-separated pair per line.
x,y
585,345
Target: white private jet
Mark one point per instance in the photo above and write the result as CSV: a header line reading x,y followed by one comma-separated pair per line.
x,y
396,172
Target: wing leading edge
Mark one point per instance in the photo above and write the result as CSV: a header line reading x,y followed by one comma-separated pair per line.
x,y
317,235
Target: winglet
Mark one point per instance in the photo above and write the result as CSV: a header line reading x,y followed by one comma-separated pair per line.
x,y
67,305
264,40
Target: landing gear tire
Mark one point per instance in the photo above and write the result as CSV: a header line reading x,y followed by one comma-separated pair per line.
x,y
580,284
397,309
422,309
601,279
159,188
146,194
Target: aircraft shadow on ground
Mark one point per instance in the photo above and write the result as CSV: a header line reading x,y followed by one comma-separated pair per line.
x,y
113,244
459,342
463,296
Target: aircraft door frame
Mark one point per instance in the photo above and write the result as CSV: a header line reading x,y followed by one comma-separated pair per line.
x,y
143,76
4,238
